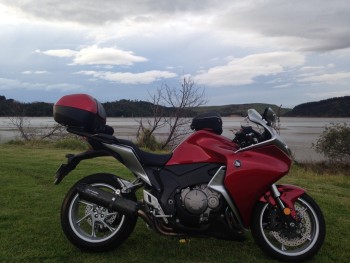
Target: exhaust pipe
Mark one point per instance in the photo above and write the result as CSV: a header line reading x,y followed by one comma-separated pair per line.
x,y
108,200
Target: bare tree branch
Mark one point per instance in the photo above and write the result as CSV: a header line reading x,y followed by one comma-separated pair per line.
x,y
28,132
180,102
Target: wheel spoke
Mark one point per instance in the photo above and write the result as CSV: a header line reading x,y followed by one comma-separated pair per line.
x,y
283,248
112,214
93,233
84,217
85,203
106,225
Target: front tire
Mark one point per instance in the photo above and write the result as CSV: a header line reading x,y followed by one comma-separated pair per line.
x,y
91,227
280,241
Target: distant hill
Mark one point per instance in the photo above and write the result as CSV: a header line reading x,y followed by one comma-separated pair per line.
x,y
10,107
334,107
128,108
241,109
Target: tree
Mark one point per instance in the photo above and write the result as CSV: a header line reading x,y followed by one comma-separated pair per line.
x,y
28,132
182,101
179,102
334,143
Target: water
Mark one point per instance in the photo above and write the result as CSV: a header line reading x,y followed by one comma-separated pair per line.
x,y
299,133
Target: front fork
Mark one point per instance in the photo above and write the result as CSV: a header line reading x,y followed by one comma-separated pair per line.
x,y
276,194
284,196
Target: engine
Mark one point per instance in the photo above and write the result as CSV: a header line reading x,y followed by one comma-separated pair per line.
x,y
197,204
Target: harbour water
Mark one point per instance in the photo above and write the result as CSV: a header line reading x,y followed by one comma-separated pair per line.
x,y
299,133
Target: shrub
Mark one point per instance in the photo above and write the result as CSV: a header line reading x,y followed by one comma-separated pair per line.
x,y
334,143
148,140
16,142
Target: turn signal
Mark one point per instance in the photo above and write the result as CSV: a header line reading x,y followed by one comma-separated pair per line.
x,y
286,211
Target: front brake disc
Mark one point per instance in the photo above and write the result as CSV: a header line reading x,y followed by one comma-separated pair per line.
x,y
304,231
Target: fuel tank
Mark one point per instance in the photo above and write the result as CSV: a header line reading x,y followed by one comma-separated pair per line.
x,y
203,147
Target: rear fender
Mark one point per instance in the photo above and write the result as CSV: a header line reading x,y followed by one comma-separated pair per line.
x,y
74,160
289,194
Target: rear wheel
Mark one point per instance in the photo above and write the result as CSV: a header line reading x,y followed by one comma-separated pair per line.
x,y
91,227
289,240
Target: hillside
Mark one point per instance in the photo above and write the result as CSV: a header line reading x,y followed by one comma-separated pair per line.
x,y
334,107
240,109
125,108
10,107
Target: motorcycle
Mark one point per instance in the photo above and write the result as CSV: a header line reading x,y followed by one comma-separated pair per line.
x,y
208,186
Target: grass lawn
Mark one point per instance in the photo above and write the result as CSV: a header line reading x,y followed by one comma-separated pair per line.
x,y
30,228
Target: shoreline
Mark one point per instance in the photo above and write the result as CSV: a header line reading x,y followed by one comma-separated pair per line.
x,y
299,133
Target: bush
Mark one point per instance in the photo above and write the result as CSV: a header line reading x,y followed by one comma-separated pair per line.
x,y
148,140
16,142
334,143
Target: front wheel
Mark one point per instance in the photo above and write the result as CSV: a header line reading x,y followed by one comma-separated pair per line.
x,y
91,227
289,240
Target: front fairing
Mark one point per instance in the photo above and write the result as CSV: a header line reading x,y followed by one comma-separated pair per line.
x,y
250,173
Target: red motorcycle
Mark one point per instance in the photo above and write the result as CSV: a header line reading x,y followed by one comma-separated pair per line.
x,y
209,186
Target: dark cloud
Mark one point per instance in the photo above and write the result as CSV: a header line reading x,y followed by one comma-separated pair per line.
x,y
99,12
313,25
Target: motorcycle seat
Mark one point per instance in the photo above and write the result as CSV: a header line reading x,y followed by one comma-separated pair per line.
x,y
147,158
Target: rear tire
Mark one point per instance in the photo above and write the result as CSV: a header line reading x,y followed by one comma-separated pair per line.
x,y
91,227
284,243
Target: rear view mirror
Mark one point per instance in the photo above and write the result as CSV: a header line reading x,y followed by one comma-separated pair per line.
x,y
269,116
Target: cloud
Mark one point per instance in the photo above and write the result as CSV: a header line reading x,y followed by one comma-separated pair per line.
x,y
315,25
97,12
131,78
95,55
282,86
6,83
328,78
11,84
38,72
61,53
243,71
106,56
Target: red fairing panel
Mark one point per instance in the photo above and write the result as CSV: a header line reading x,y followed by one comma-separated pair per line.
x,y
203,147
79,101
289,194
259,169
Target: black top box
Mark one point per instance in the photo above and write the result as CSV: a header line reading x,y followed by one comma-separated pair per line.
x,y
80,111
210,121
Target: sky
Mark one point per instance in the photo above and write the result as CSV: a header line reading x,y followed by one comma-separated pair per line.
x,y
239,51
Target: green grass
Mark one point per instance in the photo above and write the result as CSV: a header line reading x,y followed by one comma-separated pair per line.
x,y
30,204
